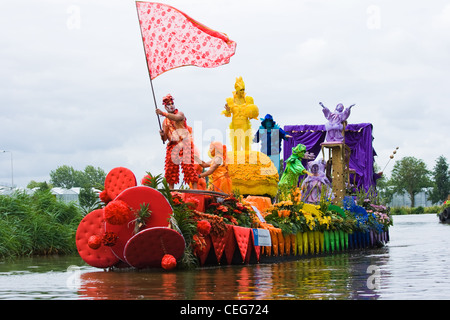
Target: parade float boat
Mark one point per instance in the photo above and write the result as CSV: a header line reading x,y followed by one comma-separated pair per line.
x,y
152,226
444,215
264,217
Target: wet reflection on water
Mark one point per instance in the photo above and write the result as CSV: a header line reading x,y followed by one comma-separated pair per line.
x,y
412,266
330,277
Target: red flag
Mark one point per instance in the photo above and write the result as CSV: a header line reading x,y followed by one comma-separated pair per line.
x,y
172,39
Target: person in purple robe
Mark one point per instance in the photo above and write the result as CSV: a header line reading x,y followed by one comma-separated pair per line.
x,y
316,183
334,125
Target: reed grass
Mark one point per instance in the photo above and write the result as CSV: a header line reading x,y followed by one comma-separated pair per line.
x,y
37,224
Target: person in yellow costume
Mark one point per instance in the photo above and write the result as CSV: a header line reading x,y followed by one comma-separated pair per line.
x,y
242,109
218,170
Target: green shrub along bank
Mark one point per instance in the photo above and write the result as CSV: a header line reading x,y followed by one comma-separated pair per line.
x,y
37,224
415,210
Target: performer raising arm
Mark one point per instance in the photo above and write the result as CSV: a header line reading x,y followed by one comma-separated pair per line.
x,y
180,149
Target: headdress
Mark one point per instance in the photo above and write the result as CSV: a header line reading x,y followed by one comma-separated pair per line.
x,y
167,99
219,149
268,119
299,150
239,84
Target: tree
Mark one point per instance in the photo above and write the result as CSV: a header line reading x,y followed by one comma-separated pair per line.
x,y
94,177
64,177
410,175
41,185
383,188
441,181
88,199
67,177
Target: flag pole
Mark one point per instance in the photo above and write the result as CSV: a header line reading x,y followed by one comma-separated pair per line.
x,y
148,69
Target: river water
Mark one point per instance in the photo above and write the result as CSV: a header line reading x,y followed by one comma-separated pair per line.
x,y
412,266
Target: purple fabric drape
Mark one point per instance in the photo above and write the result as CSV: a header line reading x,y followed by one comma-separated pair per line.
x,y
358,137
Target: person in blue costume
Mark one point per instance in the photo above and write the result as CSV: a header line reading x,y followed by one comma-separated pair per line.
x,y
270,134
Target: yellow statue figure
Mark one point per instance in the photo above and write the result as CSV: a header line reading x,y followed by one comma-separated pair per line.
x,y
243,109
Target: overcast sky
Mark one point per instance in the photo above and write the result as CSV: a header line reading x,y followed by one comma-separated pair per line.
x,y
74,88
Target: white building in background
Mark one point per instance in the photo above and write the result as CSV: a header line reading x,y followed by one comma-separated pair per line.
x,y
65,195
403,200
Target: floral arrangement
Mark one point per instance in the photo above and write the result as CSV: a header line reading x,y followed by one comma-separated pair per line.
x,y
109,239
292,215
340,220
446,204
381,214
233,211
368,216
285,215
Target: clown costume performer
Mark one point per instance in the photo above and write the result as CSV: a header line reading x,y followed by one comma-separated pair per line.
x,y
180,149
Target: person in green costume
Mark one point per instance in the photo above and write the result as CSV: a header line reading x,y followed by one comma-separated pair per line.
x,y
294,168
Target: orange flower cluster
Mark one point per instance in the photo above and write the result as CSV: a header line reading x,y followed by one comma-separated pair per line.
x,y
284,213
199,244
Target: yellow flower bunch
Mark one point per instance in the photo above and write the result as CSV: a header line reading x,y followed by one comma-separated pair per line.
x,y
310,220
312,209
325,221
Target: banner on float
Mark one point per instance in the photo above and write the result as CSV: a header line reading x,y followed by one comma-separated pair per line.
x,y
258,214
262,237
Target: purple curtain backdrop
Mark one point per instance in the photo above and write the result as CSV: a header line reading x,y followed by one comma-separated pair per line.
x,y
357,136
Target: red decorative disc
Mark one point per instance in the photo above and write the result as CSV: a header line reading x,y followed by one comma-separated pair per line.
x,y
134,197
148,247
117,180
93,225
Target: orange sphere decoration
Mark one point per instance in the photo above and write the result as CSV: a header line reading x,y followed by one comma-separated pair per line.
x,y
94,242
168,262
203,227
104,197
117,212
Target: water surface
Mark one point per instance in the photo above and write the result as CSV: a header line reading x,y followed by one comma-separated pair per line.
x,y
412,266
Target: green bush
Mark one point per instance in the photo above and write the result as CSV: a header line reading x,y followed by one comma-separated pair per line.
x,y
400,210
416,210
433,209
37,224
